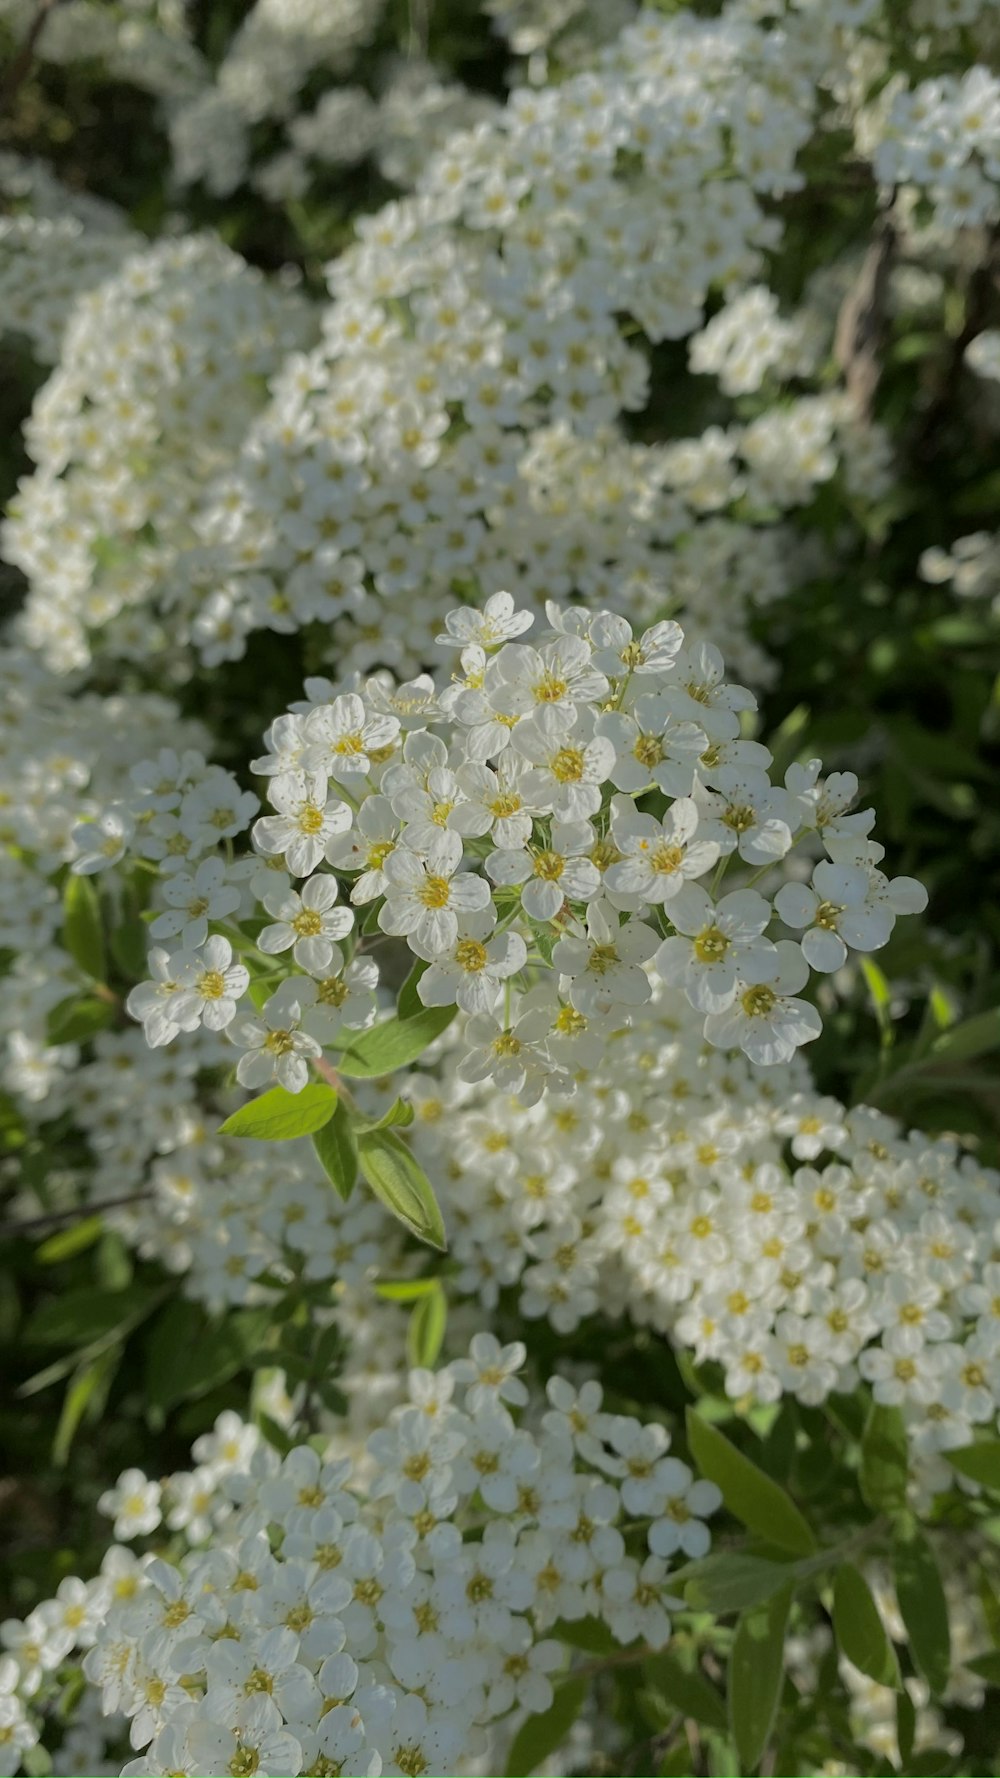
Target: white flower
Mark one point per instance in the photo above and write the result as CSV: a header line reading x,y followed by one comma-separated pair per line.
x,y
308,923
209,985
837,890
605,968
719,940
276,1048
499,621
156,1004
550,874
765,1020
688,1502
194,900
567,769
365,847
101,843
659,855
341,737
133,1503
340,995
305,824
425,895
559,674
494,802
617,653
652,746
469,974
489,1372
745,813
512,1055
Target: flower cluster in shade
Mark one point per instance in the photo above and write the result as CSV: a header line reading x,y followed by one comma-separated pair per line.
x,y
382,1611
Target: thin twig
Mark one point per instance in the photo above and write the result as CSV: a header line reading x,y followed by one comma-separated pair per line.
x,y
860,333
82,1212
20,67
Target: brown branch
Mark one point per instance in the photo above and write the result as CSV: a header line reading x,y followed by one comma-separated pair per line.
x,y
20,67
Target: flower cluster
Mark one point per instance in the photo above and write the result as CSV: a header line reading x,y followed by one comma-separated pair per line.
x,y
943,137
575,824
381,1615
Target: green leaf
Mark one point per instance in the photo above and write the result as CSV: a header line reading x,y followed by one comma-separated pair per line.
x,y
337,1151
78,1018
981,1463
406,1290
880,994
82,933
399,1114
733,1582
85,1388
686,1690
987,1666
541,1735
76,1239
425,1333
859,1628
922,1605
973,1037
279,1116
188,1353
80,1316
906,1727
409,1005
393,1045
589,1633
750,1495
756,1669
400,1183
884,1460
275,1435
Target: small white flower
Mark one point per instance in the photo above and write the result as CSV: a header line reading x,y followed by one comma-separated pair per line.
x,y
341,737
659,855
499,621
194,900
276,1048
133,1503
470,973
101,843
209,984
426,893
551,874
765,1020
308,923
718,941
605,968
306,822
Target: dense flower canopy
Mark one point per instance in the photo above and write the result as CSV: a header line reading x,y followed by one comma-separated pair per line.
x,y
478,1100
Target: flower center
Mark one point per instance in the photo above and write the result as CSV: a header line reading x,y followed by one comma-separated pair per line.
x,y
549,866
711,945
377,855
212,984
470,955
279,1043
740,818
648,750
506,1044
349,744
757,1002
434,892
601,959
549,689
332,991
667,859
567,766
826,915
308,923
310,818
507,803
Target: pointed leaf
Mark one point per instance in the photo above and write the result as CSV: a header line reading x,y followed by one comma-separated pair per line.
x,y
750,1495
393,1045
82,933
859,1628
79,1017
733,1582
922,1605
884,1460
279,1116
337,1151
425,1333
756,1670
401,1184
687,1690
